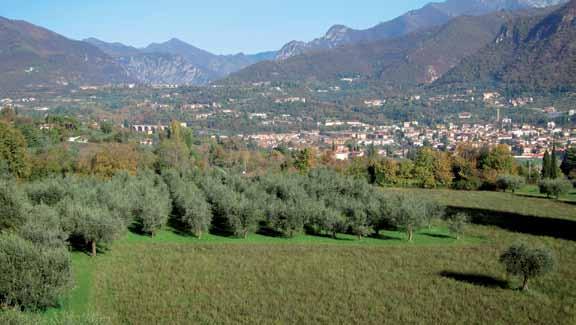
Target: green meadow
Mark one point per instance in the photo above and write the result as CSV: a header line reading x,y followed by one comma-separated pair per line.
x,y
176,279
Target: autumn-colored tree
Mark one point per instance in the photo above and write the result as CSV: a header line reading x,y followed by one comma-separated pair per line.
x,y
496,161
443,169
107,160
388,172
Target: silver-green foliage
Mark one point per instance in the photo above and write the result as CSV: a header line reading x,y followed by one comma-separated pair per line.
x,y
527,262
33,277
457,224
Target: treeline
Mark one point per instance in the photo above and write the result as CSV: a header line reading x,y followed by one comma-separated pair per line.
x,y
467,168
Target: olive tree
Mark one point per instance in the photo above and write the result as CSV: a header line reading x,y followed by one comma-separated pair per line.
x,y
527,262
409,214
357,219
231,209
43,227
152,208
287,206
457,224
13,206
555,187
92,223
33,277
510,183
194,212
49,191
328,221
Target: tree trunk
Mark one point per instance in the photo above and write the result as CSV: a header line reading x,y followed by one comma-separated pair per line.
x,y
93,244
200,234
410,234
334,234
245,234
525,284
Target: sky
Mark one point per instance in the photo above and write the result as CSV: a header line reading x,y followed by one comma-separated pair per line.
x,y
219,26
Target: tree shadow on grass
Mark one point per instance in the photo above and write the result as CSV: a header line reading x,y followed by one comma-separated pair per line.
x,y
441,236
545,198
475,279
137,230
339,238
527,224
384,237
178,227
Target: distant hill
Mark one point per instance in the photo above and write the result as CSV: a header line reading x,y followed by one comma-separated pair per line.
x,y
419,57
219,65
34,56
534,53
113,49
431,15
159,61
157,68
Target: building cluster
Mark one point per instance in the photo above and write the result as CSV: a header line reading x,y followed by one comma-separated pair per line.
x,y
525,141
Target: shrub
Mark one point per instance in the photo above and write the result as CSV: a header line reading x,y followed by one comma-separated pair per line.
x,y
33,277
526,262
555,187
510,183
471,184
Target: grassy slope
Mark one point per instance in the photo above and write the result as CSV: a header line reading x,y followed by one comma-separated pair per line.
x,y
500,202
175,279
170,283
532,190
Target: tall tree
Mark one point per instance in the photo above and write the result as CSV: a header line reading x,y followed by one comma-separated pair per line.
x,y
546,165
553,164
424,168
13,151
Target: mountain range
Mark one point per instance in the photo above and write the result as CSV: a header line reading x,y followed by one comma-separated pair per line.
x,y
31,55
160,62
467,41
431,15
417,58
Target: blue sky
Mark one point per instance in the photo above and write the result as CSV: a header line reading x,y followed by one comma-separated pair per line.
x,y
219,26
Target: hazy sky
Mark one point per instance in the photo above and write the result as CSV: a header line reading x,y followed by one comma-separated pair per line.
x,y
220,26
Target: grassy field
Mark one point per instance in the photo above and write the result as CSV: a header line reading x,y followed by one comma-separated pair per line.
x,y
173,279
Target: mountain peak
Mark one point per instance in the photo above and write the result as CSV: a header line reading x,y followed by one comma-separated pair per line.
x,y
175,40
